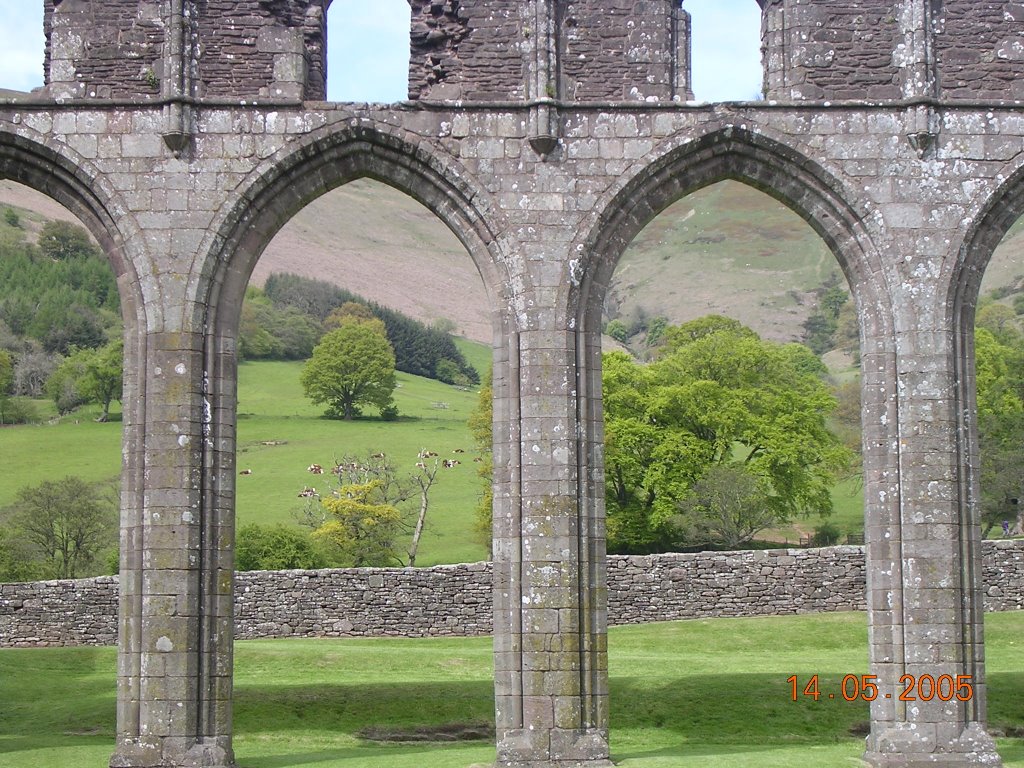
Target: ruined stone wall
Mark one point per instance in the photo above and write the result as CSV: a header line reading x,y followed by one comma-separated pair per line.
x,y
614,50
980,49
116,48
455,600
831,49
108,49
466,50
273,48
619,50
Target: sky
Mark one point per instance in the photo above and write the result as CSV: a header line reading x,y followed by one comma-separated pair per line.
x,y
368,47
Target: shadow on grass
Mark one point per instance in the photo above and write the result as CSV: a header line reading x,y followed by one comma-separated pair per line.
x,y
740,709
59,698
288,760
1006,702
349,708
56,697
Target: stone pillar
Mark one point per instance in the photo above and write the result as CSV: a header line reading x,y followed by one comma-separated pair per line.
x,y
774,62
175,634
682,63
923,560
916,56
550,638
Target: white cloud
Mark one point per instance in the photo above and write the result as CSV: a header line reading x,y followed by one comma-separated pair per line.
x,y
368,48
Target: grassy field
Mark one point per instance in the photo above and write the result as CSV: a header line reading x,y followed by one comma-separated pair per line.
x,y
693,694
280,434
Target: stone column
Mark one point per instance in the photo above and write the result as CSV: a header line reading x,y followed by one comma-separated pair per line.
x,y
550,660
916,56
174,662
682,63
923,556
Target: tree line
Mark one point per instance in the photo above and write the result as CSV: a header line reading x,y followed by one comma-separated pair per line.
x,y
60,321
287,318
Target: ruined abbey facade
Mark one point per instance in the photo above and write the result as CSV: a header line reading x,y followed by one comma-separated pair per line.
x,y
545,134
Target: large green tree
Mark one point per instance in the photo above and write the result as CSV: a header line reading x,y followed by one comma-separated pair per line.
x,y
89,376
351,366
717,395
999,372
67,524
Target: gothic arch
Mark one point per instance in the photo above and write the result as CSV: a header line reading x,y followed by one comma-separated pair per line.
x,y
72,182
780,171
328,159
325,160
818,197
994,217
75,184
729,152
278,188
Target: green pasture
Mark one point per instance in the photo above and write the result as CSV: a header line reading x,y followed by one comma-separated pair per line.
x,y
693,694
280,434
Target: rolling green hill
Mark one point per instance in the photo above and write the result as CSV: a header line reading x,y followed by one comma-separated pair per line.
x,y
727,248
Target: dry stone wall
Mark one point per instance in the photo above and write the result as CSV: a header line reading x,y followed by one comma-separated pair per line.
x,y
455,600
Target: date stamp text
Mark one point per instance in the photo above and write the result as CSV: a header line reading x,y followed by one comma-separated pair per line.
x,y
865,687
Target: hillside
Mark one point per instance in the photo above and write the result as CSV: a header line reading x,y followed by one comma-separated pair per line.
x,y
727,248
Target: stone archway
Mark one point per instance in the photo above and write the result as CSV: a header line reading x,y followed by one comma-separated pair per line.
x,y
543,177
895,595
203,582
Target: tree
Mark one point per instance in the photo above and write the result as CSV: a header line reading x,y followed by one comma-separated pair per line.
x,y
409,493
18,562
717,395
32,371
481,427
999,320
6,381
350,309
351,366
999,372
274,548
821,325
68,523
617,330
360,530
728,506
62,240
89,376
104,376
266,332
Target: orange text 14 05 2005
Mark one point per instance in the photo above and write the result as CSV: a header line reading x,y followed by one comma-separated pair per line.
x,y
865,688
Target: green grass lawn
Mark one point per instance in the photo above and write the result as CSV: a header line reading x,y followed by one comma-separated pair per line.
x,y
693,694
